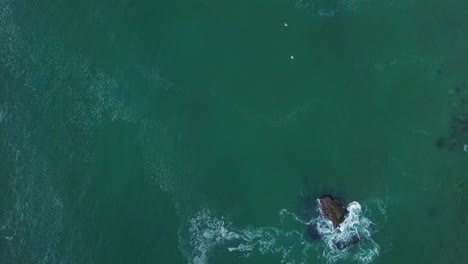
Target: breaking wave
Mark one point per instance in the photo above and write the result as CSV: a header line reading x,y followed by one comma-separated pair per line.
x,y
356,227
209,234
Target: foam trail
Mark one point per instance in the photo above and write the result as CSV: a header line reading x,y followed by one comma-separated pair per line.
x,y
210,233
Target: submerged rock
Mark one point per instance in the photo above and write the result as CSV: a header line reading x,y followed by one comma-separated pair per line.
x,y
344,244
332,208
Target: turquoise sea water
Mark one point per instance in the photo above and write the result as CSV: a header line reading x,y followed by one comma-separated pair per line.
x,y
200,131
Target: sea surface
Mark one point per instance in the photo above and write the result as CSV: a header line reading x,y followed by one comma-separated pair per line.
x,y
202,131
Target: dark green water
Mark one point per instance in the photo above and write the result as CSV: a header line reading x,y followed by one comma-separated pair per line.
x,y
172,131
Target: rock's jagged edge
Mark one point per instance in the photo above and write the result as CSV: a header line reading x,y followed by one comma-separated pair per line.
x,y
332,208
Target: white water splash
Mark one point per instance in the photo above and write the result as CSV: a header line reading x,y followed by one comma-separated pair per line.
x,y
355,226
209,233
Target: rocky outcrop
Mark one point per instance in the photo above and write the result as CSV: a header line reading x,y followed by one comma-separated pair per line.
x,y
335,210
332,208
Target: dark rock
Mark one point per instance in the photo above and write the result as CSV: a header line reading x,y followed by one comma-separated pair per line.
x,y
333,208
344,244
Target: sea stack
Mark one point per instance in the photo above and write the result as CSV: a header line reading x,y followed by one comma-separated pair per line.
x,y
333,208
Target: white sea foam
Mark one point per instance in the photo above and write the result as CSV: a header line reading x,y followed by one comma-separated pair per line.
x,y
355,225
209,233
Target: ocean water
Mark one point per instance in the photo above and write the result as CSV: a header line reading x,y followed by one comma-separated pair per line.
x,y
202,131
